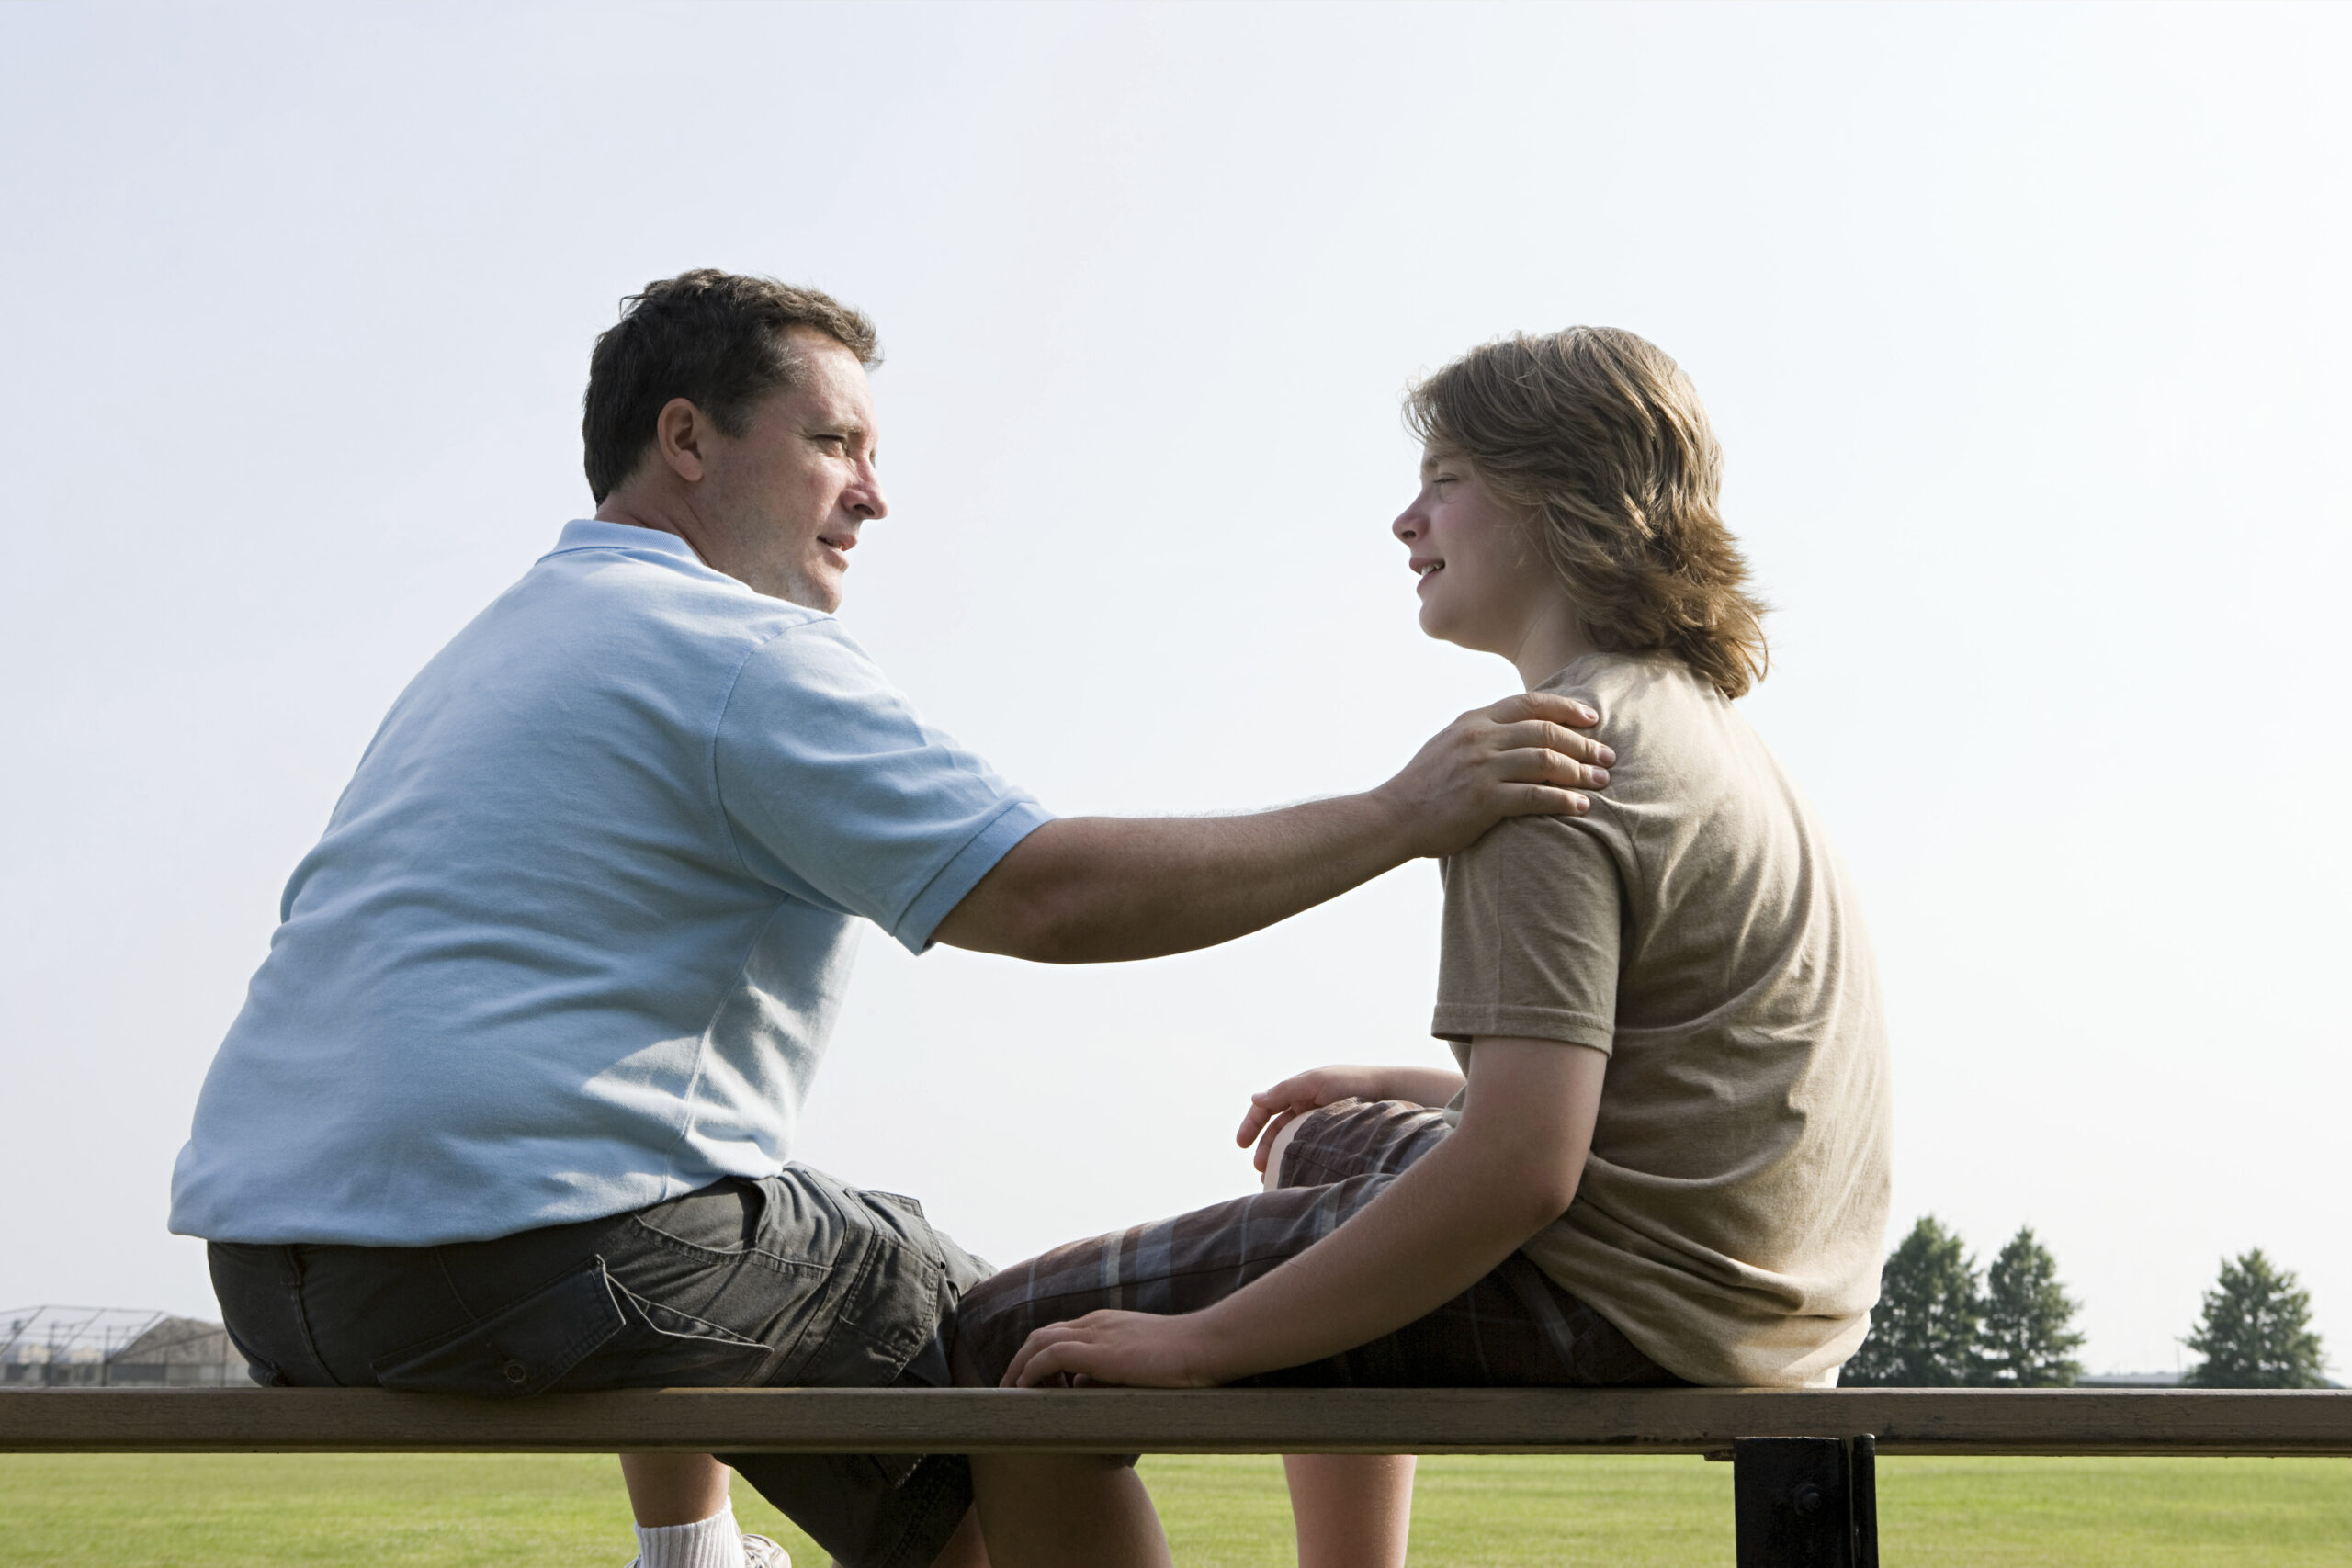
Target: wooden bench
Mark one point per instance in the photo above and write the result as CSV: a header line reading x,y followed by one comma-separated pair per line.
x,y
1804,1484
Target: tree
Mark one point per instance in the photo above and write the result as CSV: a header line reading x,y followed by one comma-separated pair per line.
x,y
2256,1331
1924,1329
2026,1339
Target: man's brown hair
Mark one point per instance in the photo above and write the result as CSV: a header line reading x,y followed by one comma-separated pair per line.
x,y
718,339
1599,436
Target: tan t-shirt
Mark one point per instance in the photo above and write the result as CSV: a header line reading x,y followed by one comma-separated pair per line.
x,y
1698,927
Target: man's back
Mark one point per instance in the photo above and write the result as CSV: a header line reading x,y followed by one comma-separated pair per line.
x,y
572,941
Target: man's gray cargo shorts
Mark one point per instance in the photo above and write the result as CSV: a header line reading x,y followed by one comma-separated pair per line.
x,y
797,1279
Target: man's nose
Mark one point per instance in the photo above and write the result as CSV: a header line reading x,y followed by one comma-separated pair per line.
x,y
1408,526
864,495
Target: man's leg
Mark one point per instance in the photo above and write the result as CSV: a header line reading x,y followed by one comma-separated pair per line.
x,y
674,1489
963,1549
685,1517
668,1489
795,1279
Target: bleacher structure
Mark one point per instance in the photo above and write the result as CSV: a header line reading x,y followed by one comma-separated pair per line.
x,y
73,1347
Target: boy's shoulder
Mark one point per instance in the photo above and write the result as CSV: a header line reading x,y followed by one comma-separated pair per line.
x,y
1634,687
1663,719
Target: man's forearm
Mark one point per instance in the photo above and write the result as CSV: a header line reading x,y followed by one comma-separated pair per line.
x,y
1093,889
1099,889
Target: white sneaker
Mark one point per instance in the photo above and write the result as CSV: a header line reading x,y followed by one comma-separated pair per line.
x,y
759,1551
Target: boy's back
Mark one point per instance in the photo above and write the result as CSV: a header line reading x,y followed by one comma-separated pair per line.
x,y
1697,925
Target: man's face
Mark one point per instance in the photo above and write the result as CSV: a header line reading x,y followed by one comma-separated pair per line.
x,y
782,504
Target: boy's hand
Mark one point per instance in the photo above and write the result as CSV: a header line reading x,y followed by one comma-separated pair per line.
x,y
1134,1349
1272,1109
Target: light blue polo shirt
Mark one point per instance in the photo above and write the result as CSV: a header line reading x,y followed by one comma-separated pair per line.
x,y
579,929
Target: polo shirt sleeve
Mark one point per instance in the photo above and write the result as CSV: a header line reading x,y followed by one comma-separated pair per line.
x,y
831,784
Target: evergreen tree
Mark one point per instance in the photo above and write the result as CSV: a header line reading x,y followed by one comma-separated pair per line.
x,y
1924,1329
2256,1330
2027,1342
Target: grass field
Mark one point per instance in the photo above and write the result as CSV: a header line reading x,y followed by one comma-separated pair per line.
x,y
531,1511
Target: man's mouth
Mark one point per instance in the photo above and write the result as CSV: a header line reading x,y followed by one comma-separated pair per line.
x,y
1428,569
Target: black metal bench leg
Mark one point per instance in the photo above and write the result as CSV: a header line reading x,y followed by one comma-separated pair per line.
x,y
1806,1501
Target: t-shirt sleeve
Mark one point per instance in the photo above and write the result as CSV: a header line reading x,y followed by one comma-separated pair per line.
x,y
831,784
1531,935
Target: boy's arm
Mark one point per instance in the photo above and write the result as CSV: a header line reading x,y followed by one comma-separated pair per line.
x,y
1509,1170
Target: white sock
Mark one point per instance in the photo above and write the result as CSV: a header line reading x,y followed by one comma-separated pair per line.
x,y
714,1542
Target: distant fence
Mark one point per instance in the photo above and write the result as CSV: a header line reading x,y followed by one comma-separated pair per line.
x,y
67,1347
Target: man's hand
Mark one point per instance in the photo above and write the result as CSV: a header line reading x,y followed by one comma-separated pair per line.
x,y
1136,1349
1272,1109
1520,756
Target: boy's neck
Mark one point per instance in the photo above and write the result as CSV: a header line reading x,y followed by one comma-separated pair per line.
x,y
1555,638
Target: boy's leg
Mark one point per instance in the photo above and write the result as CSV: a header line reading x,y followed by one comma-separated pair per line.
x,y
1353,1510
1041,1511
1066,1511
1350,1510
1055,1512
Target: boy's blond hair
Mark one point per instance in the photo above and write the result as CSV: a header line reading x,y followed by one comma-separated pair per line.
x,y
1599,437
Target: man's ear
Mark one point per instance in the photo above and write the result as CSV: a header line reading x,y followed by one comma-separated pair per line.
x,y
679,431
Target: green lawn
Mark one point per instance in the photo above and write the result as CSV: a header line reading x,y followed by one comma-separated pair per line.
x,y
425,1511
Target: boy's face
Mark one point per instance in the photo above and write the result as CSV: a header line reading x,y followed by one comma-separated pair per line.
x,y
1484,575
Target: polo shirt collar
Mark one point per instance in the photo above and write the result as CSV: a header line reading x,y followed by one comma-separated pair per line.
x,y
587,533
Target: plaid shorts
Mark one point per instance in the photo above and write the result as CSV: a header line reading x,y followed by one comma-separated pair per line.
x,y
1513,1329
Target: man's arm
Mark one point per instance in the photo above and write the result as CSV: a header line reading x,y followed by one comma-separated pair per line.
x,y
1509,1170
1097,889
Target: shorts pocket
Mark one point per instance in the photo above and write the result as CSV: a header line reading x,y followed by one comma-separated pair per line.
x,y
729,1222
521,1348
665,1347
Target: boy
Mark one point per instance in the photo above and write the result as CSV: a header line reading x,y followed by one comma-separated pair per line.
x,y
1667,1160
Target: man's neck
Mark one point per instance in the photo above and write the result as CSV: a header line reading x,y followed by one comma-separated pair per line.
x,y
647,512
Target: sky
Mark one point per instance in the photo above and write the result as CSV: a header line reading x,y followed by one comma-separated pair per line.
x,y
2024,330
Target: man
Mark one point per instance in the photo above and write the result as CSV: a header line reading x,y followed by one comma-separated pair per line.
x,y
509,1104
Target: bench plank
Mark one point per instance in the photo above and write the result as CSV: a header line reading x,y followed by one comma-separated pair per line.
x,y
1906,1421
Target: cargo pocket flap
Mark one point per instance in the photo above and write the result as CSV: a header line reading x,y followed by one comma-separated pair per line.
x,y
521,1348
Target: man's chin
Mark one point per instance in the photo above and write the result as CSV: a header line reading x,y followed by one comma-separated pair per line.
x,y
811,593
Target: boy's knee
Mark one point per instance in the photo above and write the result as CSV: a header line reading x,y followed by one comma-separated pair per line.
x,y
1280,1146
